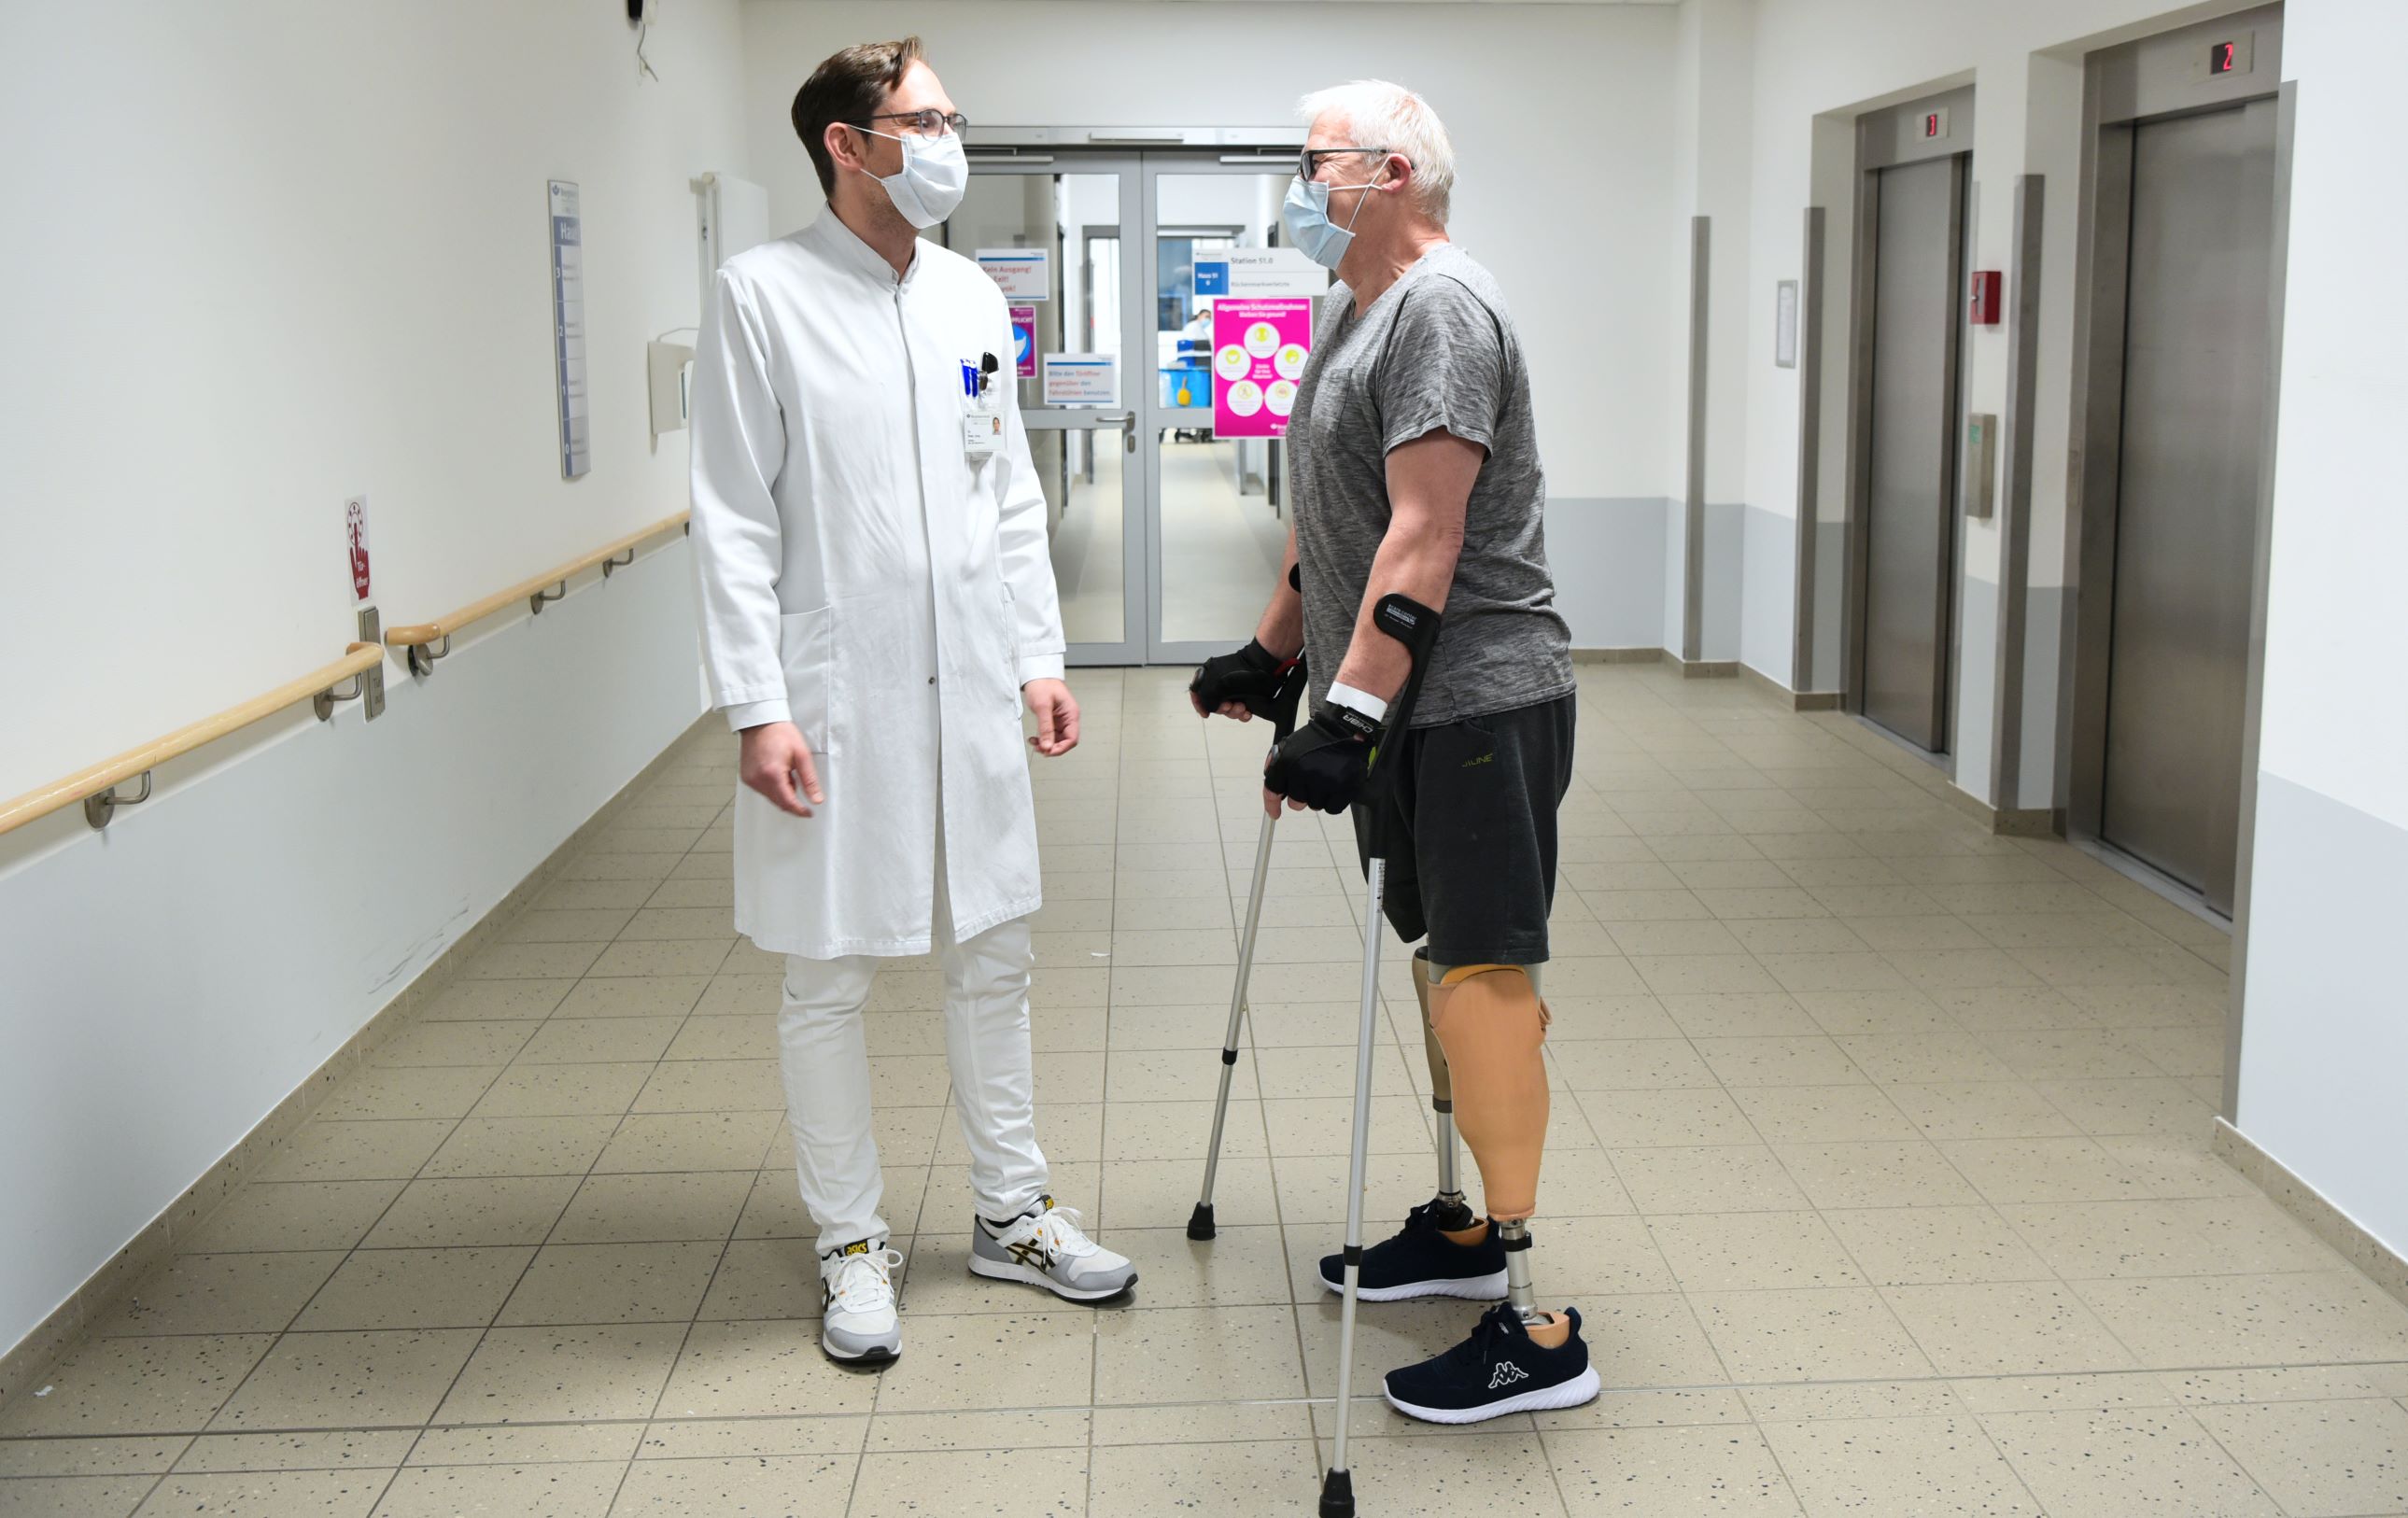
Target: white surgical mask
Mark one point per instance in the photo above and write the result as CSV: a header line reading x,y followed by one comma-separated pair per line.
x,y
1306,215
934,176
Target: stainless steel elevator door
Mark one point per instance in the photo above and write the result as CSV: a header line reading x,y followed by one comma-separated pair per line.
x,y
2196,355
1908,537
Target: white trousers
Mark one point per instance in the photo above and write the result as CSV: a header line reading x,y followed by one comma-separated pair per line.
x,y
824,1050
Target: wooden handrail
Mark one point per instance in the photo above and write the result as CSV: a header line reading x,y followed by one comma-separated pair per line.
x,y
103,776
418,636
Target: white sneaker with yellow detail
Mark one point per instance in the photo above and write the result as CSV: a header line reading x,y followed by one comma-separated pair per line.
x,y
1044,1247
858,1320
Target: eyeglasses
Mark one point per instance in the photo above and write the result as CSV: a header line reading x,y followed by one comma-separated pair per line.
x,y
928,122
1307,163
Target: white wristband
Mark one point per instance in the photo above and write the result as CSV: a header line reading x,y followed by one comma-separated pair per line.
x,y
1354,700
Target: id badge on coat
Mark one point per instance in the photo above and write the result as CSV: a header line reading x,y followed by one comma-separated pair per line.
x,y
981,414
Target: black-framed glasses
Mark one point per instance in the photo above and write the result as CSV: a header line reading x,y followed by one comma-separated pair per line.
x,y
928,122
1307,163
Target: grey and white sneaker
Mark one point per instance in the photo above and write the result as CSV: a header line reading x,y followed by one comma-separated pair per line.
x,y
1044,1247
857,1322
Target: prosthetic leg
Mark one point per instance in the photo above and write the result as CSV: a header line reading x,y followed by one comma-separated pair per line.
x,y
1488,1023
1450,1189
1417,626
1282,716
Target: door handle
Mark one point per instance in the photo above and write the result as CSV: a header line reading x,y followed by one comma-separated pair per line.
x,y
1127,421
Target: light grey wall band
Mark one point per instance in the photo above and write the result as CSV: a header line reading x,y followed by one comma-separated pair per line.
x,y
2286,103
1810,448
1693,567
2014,497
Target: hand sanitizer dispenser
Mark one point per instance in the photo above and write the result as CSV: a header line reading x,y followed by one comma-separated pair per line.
x,y
664,366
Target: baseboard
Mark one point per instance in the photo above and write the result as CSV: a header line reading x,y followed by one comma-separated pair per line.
x,y
1618,655
1794,701
2006,822
39,1350
1751,676
2027,821
1707,668
2388,1269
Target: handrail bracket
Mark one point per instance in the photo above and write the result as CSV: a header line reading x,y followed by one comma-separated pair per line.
x,y
423,655
324,702
617,562
535,603
101,805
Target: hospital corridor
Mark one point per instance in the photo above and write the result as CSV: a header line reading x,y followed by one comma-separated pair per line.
x,y
631,885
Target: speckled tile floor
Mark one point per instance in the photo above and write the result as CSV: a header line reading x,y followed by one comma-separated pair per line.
x,y
1879,1169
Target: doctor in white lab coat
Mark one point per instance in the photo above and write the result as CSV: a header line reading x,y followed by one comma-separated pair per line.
x,y
877,606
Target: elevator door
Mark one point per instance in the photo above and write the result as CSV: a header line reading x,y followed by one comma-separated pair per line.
x,y
2196,353
1909,519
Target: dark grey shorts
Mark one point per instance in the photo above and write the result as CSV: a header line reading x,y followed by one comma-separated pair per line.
x,y
1471,830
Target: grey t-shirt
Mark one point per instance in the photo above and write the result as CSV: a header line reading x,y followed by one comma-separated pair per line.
x,y
1436,350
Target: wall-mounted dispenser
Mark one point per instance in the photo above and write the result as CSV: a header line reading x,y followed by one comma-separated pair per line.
x,y
665,367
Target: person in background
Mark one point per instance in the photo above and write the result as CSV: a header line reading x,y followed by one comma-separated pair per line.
x,y
877,607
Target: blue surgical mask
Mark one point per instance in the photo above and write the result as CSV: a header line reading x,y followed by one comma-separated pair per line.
x,y
1306,214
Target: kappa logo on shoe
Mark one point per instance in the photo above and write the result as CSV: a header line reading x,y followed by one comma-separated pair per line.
x,y
1506,1374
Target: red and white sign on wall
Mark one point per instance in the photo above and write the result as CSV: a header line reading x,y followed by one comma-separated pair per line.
x,y
355,532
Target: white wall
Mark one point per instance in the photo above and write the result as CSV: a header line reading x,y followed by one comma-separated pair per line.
x,y
259,259
1573,216
2325,1043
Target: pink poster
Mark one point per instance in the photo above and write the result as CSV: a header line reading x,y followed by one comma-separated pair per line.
x,y
1258,353
1024,340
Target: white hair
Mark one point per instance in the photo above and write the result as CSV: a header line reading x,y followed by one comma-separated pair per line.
x,y
1390,116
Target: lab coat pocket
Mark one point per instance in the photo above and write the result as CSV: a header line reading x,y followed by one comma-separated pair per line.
x,y
804,641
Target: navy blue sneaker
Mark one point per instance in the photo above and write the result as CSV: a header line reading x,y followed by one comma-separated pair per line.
x,y
1421,1261
1499,1370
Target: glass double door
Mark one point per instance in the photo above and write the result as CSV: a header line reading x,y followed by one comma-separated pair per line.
x,y
1166,539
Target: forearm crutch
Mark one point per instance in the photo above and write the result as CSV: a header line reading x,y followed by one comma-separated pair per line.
x,y
1415,626
1282,716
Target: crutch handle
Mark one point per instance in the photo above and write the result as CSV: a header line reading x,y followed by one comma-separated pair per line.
x,y
1286,697
1417,626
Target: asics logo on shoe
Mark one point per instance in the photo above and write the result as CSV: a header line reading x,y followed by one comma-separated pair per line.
x,y
1506,1374
1027,1252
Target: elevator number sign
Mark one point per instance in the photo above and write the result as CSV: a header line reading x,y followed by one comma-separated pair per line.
x,y
2232,57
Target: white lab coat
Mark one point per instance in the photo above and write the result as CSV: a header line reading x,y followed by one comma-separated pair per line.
x,y
867,579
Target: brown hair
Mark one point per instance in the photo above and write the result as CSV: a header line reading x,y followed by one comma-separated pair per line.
x,y
848,86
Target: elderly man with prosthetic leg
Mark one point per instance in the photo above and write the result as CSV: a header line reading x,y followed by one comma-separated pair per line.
x,y
1414,473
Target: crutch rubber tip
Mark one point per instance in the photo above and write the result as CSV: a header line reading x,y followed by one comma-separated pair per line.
x,y
1199,1223
1338,1495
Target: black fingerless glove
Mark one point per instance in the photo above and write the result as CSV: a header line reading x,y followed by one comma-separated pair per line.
x,y
1250,678
1325,763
